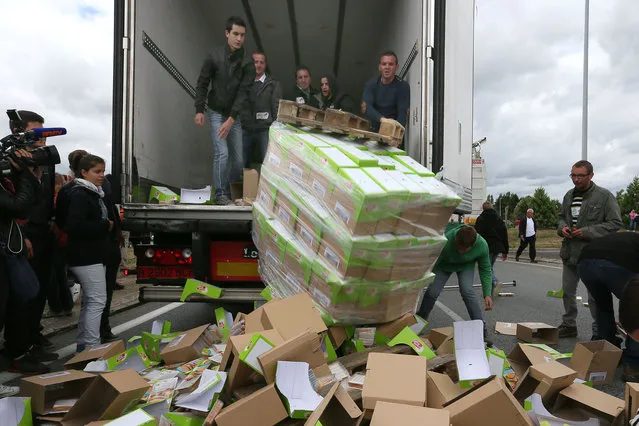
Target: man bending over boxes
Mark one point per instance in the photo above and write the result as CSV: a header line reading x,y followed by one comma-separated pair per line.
x,y
463,250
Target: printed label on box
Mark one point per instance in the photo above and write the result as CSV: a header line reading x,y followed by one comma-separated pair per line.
x,y
295,170
294,282
52,375
321,298
283,214
274,159
177,340
332,257
99,348
342,212
307,237
319,188
598,376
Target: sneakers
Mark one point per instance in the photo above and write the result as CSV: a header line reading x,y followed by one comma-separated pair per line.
x,y
516,258
108,336
630,374
41,355
6,391
566,331
26,364
43,342
222,200
534,261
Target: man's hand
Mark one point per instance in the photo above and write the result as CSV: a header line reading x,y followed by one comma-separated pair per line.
x,y
566,232
521,237
225,128
20,153
29,247
488,301
577,233
504,257
199,119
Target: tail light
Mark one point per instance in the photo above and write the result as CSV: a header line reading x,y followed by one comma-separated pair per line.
x,y
170,256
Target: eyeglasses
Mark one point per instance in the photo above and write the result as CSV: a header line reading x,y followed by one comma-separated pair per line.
x,y
574,176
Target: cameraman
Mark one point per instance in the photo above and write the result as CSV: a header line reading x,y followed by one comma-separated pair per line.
x,y
39,240
18,195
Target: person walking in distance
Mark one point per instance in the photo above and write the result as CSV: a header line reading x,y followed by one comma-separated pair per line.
x,y
587,212
633,221
493,229
527,236
229,74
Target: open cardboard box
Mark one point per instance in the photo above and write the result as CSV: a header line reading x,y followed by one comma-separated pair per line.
x,y
103,351
394,378
523,356
182,348
337,408
537,332
440,389
595,361
261,408
546,379
442,340
490,400
632,400
579,397
290,317
47,389
391,414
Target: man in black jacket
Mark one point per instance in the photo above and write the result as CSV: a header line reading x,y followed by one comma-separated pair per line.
x,y
113,258
229,74
260,110
304,92
527,235
490,226
607,265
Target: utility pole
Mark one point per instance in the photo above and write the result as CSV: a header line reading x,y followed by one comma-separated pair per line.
x,y
584,114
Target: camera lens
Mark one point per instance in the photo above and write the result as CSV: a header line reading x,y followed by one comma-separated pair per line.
x,y
46,156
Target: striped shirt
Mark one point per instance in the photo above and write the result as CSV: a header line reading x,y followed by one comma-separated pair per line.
x,y
575,208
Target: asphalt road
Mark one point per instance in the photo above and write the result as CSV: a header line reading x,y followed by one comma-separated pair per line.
x,y
530,303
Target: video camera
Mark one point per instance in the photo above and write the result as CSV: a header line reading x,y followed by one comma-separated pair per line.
x,y
23,139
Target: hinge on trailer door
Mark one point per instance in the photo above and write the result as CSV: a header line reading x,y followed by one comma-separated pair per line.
x,y
125,43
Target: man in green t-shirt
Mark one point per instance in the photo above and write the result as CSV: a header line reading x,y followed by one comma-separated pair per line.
x,y
463,250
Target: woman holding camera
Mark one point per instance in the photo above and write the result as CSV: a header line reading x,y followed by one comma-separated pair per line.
x,y
88,227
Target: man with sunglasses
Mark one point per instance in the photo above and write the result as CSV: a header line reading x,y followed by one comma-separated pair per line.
x,y
588,211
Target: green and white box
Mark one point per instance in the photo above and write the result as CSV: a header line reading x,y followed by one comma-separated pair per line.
x,y
162,195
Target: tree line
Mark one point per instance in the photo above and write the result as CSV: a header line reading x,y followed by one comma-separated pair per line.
x,y
511,207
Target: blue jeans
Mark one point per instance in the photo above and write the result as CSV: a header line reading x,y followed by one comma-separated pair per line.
x,y
250,138
493,258
227,154
633,225
603,279
466,290
92,278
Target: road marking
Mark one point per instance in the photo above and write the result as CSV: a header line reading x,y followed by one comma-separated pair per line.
x,y
452,314
534,264
70,349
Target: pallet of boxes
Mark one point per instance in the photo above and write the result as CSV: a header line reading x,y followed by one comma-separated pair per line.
x,y
347,233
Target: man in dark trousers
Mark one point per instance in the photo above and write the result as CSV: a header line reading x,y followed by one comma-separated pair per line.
x,y
260,111
304,92
490,226
527,236
386,96
113,259
228,72
606,265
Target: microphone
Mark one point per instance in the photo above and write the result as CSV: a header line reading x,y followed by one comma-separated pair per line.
x,y
44,132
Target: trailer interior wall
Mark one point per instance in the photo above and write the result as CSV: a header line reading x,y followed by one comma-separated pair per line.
x,y
458,90
402,32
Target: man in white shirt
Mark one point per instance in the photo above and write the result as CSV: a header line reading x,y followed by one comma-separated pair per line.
x,y
527,235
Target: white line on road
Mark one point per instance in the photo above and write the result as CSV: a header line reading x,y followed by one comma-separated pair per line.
x,y
70,349
452,314
536,265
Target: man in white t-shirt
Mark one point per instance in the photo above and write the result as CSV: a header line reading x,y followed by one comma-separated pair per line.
x,y
527,235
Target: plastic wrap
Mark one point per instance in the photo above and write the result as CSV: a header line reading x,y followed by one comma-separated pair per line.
x,y
356,225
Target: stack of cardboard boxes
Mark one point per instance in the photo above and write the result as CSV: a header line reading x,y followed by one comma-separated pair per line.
x,y
358,226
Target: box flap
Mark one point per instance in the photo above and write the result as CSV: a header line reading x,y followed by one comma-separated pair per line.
x,y
391,414
261,408
440,390
337,408
394,378
470,354
105,351
58,377
293,383
539,413
183,340
545,379
592,399
523,356
437,336
294,315
632,400
506,328
357,178
251,180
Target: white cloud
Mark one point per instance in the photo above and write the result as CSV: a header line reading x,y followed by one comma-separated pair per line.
x,y
57,61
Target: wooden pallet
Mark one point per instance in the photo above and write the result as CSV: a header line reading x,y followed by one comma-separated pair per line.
x,y
336,121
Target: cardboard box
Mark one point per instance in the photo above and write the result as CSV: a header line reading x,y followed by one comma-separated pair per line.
x,y
491,400
183,348
394,378
539,414
523,356
320,186
546,379
47,389
598,404
261,408
537,332
595,361
293,316
162,195
438,336
107,396
338,335
632,400
286,210
337,408
470,353
247,189
305,347
390,414
386,331
440,390
293,384
310,223
103,351
266,194
298,263
358,201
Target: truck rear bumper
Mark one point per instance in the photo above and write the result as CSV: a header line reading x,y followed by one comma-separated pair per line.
x,y
172,294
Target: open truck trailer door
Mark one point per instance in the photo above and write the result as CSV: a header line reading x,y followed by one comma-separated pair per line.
x,y
159,46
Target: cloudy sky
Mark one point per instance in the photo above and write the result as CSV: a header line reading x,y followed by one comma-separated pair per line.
x,y
57,60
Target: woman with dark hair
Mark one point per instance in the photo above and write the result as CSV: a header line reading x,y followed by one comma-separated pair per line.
x,y
88,227
331,97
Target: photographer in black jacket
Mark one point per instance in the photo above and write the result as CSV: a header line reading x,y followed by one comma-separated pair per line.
x,y
18,195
